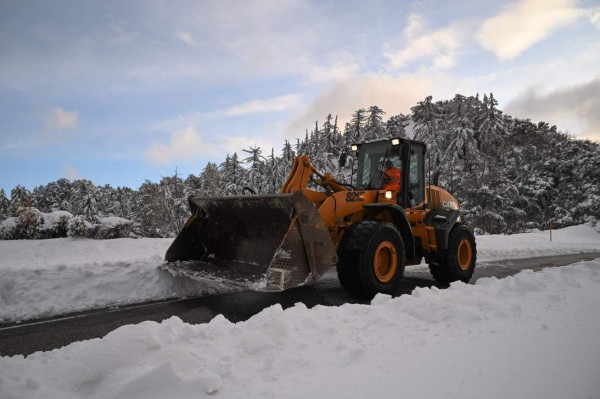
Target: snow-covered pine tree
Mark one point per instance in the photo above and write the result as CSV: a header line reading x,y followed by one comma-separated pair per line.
x,y
300,147
588,209
430,123
4,205
490,132
575,179
285,163
84,200
273,182
194,183
210,180
174,202
356,127
328,135
43,197
123,203
235,177
346,143
462,145
149,213
374,127
533,172
228,178
336,139
316,141
303,146
54,196
19,197
257,179
317,153
396,125
287,154
106,201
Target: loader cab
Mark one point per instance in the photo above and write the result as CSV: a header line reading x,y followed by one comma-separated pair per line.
x,y
406,155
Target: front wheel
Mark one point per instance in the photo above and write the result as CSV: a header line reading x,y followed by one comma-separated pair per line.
x,y
458,262
371,259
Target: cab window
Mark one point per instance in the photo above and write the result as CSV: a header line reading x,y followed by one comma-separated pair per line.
x,y
371,164
416,181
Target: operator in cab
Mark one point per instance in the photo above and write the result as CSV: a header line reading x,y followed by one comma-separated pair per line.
x,y
391,177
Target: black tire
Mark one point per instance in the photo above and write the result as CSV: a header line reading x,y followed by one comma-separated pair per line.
x,y
371,259
458,262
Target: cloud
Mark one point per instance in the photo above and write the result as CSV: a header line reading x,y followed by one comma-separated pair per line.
x,y
414,27
266,140
393,94
522,24
61,119
344,68
120,33
595,16
574,108
187,145
441,46
185,37
125,45
276,104
184,145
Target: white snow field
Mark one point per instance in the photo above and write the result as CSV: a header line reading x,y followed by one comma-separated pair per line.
x,y
532,335
43,278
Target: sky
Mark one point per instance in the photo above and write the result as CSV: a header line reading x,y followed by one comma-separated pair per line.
x,y
123,92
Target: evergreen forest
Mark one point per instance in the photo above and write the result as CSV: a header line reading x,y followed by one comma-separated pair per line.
x,y
510,175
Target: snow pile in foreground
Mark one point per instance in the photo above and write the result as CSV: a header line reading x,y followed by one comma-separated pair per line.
x,y
42,278
532,335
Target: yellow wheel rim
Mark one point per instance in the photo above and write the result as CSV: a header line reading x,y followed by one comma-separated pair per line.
x,y
465,254
385,261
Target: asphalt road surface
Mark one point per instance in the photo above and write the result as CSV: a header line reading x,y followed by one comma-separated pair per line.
x,y
43,335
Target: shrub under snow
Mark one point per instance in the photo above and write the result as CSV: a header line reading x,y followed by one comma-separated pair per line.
x,y
33,224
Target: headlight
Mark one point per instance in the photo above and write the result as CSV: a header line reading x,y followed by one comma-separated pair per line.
x,y
354,147
389,195
395,141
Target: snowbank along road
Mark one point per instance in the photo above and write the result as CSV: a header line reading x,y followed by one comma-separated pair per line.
x,y
46,334
46,278
119,273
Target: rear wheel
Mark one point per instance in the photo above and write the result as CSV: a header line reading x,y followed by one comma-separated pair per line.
x,y
371,259
458,262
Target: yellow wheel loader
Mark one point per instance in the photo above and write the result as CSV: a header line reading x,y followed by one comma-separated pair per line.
x,y
370,233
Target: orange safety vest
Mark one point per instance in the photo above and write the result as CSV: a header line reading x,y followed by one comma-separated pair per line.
x,y
391,179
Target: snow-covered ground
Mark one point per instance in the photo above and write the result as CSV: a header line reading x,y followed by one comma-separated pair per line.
x,y
41,278
532,335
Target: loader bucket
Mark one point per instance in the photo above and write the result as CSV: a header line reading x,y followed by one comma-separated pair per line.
x,y
261,242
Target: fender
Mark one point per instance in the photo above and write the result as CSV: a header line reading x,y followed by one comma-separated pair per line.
x,y
443,220
400,221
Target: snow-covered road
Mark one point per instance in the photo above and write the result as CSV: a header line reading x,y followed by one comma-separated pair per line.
x,y
43,278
